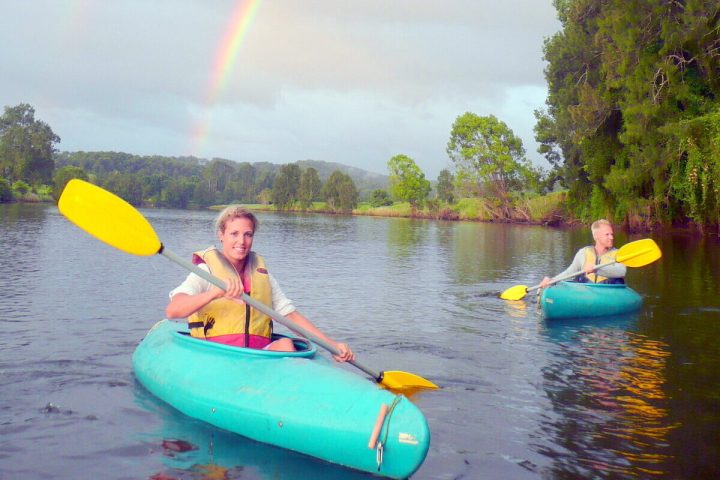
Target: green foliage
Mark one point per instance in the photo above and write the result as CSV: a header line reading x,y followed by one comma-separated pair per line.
x,y
217,173
286,185
5,190
407,181
380,198
202,196
179,192
401,209
340,192
172,181
21,188
695,176
446,186
472,209
489,159
364,181
628,81
310,188
548,209
265,197
128,186
44,191
26,146
63,175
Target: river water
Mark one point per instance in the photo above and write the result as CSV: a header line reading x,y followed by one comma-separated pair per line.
x,y
521,398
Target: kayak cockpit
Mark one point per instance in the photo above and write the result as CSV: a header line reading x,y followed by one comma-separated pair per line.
x,y
303,347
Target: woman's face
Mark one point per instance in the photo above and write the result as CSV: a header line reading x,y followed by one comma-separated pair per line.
x,y
237,239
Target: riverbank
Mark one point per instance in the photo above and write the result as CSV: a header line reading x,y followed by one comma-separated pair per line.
x,y
546,210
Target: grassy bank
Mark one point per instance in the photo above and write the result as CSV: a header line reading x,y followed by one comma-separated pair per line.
x,y
541,210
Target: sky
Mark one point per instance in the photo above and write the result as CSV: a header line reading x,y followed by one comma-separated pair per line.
x,y
352,82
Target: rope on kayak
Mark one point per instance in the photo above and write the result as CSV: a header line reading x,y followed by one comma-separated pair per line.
x,y
381,443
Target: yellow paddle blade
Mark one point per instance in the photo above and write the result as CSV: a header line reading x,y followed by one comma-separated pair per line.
x,y
401,381
514,293
108,217
639,253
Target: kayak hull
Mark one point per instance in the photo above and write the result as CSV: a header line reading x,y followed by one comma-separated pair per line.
x,y
582,300
300,401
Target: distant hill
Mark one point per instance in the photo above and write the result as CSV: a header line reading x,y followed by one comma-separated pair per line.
x,y
102,163
364,180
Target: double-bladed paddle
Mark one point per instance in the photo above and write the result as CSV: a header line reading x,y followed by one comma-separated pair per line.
x,y
634,254
114,221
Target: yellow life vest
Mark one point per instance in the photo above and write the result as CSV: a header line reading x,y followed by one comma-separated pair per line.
x,y
591,258
222,316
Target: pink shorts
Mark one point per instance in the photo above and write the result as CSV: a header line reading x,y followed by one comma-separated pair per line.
x,y
238,340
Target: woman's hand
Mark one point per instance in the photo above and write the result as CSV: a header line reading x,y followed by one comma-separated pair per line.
x,y
233,290
345,354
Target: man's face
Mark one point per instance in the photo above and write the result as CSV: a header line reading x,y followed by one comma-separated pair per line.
x,y
604,237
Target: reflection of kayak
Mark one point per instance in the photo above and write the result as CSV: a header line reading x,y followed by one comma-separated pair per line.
x,y
295,400
572,300
571,330
186,447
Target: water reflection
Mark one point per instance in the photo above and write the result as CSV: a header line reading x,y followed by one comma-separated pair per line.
x,y
404,235
521,398
610,411
190,449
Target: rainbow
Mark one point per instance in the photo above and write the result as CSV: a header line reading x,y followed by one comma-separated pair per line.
x,y
225,57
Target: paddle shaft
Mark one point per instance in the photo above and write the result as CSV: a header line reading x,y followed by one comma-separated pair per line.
x,y
265,309
571,275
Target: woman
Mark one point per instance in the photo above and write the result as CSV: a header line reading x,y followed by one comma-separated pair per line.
x,y
220,315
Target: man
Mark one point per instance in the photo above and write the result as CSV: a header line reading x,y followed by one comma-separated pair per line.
x,y
588,257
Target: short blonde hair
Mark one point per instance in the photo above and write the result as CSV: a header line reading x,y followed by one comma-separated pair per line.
x,y
599,223
231,212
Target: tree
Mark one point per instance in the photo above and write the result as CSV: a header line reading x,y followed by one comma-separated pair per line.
x,y
625,79
128,186
244,185
489,159
446,186
340,192
407,181
179,192
26,146
695,175
285,186
217,173
63,176
153,185
265,196
202,196
5,191
380,198
310,187
21,188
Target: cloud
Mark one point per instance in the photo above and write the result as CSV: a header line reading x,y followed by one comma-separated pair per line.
x,y
351,82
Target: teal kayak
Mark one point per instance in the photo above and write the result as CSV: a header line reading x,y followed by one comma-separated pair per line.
x,y
301,401
574,300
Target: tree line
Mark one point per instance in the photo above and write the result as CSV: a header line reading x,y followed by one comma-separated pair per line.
x,y
489,162
31,168
631,130
632,124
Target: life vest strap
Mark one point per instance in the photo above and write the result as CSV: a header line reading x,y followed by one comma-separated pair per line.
x,y
205,326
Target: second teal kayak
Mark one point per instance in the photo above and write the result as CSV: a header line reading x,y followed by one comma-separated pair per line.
x,y
574,300
300,401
